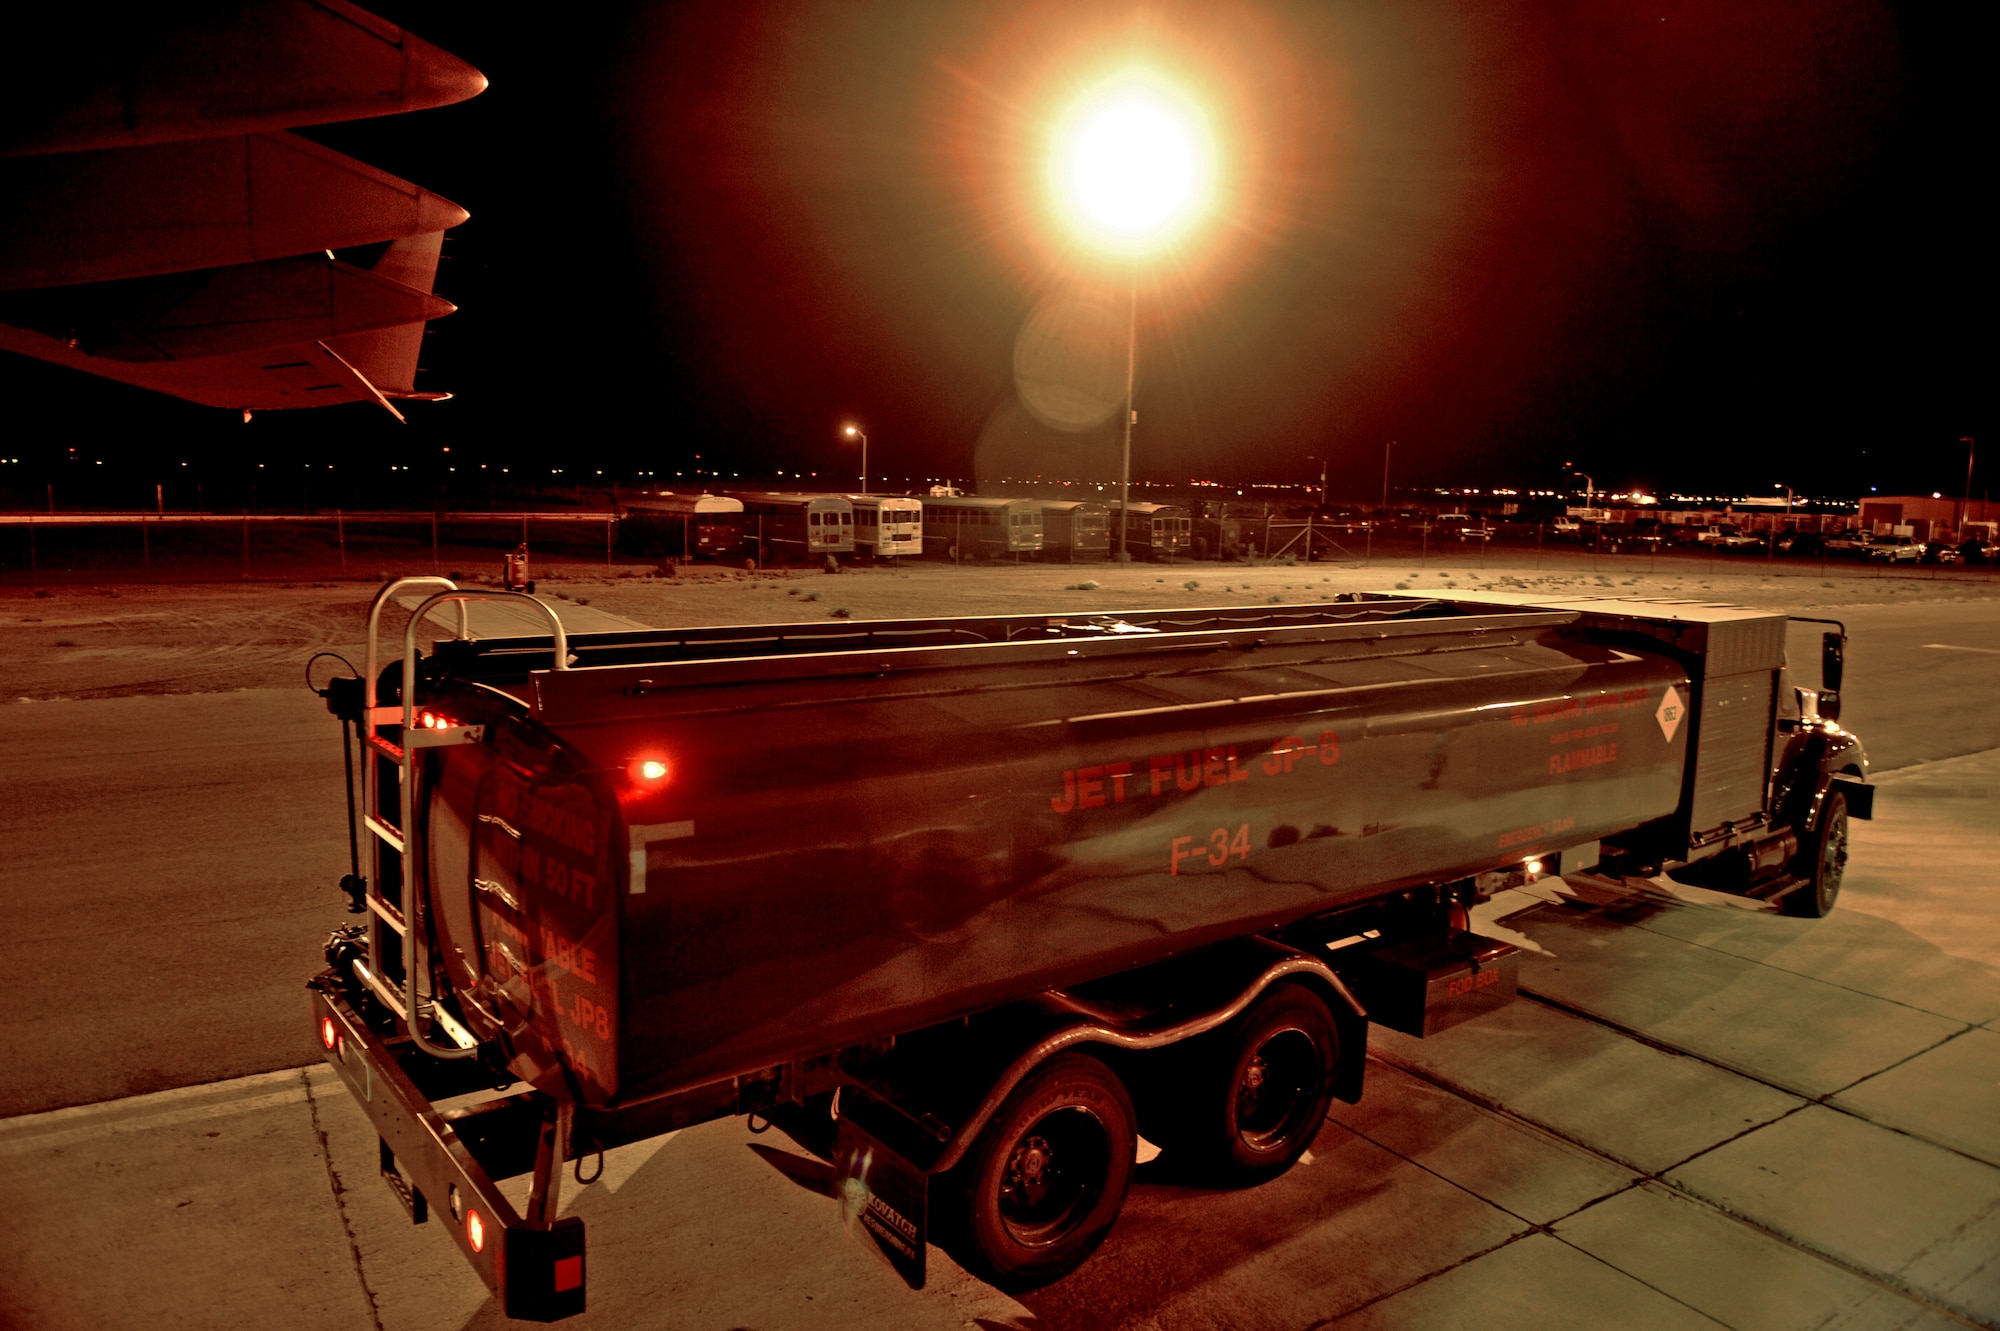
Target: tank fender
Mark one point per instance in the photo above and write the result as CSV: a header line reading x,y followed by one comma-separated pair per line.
x,y
1126,1022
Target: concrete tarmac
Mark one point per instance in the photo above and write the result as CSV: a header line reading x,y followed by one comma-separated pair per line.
x,y
1702,1113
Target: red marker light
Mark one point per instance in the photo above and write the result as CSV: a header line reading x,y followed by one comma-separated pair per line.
x,y
475,1230
649,771
327,1034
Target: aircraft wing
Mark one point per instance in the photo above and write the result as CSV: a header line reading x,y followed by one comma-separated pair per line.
x,y
159,227
167,208
79,76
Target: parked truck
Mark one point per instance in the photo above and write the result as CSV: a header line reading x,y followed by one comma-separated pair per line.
x,y
964,906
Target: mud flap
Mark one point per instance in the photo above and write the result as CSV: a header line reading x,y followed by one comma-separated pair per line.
x,y
544,1271
1859,794
884,1199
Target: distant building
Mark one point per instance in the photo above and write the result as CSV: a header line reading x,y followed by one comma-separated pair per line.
x,y
1924,515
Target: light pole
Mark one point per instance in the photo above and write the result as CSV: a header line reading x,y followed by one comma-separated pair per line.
x,y
1965,510
1322,478
1589,488
1132,169
855,432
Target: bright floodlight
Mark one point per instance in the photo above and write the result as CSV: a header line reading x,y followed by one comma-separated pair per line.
x,y
1133,165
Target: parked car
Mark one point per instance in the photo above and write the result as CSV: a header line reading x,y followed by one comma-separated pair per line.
x,y
1801,543
1939,552
1629,537
1847,543
1472,529
1894,550
1726,536
1973,550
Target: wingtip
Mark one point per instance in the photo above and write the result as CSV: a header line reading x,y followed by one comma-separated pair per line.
x,y
434,76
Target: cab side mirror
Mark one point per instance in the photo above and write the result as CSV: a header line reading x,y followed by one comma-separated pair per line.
x,y
1832,663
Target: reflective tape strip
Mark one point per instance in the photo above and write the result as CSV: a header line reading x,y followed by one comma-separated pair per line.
x,y
645,835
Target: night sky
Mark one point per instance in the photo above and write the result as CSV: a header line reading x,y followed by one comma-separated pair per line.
x,y
1686,245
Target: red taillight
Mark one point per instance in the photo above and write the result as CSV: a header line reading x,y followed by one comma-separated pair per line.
x,y
569,1274
434,720
475,1230
649,771
328,1033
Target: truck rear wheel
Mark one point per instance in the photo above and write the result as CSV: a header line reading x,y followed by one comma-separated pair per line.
x,y
1823,864
1044,1182
1251,1097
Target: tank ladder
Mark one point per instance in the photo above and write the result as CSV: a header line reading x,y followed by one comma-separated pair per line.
x,y
397,969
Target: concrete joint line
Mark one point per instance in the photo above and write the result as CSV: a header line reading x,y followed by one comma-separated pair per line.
x,y
1786,970
339,1190
1823,1101
75,1124
1499,1110
1876,1278
1882,1279
1426,1278
1526,1125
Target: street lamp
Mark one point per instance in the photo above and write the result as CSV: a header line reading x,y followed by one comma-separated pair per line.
x,y
1132,170
854,432
1589,487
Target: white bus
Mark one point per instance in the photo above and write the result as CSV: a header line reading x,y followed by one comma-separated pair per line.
x,y
887,525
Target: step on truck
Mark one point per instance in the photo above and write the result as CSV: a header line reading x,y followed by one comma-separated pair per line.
x,y
965,906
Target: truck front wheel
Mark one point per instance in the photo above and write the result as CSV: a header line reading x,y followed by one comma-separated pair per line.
x,y
1824,862
1251,1097
1044,1182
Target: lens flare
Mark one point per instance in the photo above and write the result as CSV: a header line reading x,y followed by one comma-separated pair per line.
x,y
1133,167
1133,164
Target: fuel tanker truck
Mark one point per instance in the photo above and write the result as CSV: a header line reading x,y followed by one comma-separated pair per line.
x,y
965,906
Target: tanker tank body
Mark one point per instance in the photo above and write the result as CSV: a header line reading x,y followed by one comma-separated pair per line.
x,y
895,838
952,868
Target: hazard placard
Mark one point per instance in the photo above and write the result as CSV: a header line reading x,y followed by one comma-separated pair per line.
x,y
1670,712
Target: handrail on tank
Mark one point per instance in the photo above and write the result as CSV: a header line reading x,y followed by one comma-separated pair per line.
x,y
463,598
389,589
416,957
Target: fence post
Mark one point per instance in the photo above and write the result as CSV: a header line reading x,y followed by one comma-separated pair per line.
x,y
246,543
340,537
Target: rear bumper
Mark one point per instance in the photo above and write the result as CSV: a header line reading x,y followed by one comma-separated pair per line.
x,y
537,1272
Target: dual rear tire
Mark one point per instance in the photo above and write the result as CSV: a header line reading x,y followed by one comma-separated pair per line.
x,y
1238,1106
1043,1184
